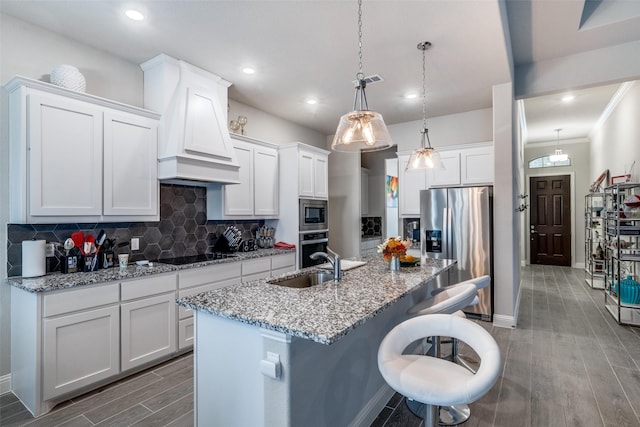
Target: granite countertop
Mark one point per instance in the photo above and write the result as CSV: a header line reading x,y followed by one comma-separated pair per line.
x,y
323,313
55,281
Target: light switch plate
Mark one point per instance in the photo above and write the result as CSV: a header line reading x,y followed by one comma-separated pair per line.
x,y
135,244
49,250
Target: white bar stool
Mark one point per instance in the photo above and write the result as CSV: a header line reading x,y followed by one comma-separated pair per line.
x,y
431,380
451,299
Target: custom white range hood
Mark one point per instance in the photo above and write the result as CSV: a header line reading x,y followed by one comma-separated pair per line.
x,y
194,142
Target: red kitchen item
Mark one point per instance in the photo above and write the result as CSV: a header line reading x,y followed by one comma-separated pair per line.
x,y
283,245
78,240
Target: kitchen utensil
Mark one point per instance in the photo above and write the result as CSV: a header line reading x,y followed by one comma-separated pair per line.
x,y
68,245
101,237
78,240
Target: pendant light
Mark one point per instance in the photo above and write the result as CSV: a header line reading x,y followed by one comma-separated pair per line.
x,y
425,157
361,130
558,156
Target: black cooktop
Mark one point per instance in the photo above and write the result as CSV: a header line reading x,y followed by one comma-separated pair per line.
x,y
181,260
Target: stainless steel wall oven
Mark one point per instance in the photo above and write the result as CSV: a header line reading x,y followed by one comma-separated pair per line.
x,y
310,242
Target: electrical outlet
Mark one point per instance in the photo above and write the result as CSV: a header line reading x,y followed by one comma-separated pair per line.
x,y
135,244
49,250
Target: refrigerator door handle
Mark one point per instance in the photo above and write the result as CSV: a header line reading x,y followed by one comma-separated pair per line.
x,y
446,238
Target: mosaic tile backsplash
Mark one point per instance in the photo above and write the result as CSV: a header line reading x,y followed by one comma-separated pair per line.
x,y
371,226
183,230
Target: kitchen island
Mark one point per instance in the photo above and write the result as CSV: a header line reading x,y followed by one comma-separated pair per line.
x,y
268,355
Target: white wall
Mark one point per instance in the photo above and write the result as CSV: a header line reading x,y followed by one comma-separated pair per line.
x,y
454,129
270,128
506,222
391,214
616,144
375,163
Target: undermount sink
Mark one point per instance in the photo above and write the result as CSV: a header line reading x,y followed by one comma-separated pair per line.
x,y
305,280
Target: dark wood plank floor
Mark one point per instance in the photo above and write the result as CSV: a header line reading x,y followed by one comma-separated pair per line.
x,y
567,364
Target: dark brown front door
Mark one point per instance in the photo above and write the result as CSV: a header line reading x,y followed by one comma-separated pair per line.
x,y
550,227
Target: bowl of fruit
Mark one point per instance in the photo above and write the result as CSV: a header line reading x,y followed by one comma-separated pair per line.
x,y
409,261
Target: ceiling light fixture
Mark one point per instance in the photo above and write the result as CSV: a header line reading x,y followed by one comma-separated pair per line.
x,y
568,98
134,15
425,157
312,101
248,70
411,96
558,156
361,130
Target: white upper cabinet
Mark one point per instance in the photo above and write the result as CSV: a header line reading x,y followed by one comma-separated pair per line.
x,y
450,176
256,196
194,138
130,165
477,165
79,158
64,156
313,174
472,165
410,183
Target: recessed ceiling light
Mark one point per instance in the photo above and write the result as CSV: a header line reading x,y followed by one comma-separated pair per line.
x,y
568,98
248,70
411,96
134,15
312,101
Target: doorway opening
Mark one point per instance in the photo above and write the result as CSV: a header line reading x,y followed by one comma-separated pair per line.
x,y
550,220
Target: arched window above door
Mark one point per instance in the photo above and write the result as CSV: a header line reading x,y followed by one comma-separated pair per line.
x,y
545,162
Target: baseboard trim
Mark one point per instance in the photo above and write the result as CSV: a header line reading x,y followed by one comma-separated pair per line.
x,y
370,412
579,265
503,321
5,384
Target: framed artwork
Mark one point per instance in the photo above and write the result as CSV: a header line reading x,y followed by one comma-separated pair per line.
x,y
391,191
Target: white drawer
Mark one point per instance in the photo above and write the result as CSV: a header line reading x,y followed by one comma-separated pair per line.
x,y
258,265
152,285
213,273
285,260
80,299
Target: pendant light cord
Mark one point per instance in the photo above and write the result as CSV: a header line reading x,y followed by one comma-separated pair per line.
x,y
424,89
360,75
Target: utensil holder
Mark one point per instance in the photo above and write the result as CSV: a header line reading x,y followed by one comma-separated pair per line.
x,y
88,262
70,264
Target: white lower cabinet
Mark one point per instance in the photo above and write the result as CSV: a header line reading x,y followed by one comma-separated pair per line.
x,y
148,329
80,349
65,342
198,280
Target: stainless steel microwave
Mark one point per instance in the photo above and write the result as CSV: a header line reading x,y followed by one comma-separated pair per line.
x,y
314,215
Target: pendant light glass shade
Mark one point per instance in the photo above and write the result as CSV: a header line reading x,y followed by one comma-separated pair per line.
x,y
558,156
424,157
361,130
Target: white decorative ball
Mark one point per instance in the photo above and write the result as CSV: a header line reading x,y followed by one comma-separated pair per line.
x,y
68,76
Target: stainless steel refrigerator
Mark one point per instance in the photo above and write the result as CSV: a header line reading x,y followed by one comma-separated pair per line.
x,y
457,223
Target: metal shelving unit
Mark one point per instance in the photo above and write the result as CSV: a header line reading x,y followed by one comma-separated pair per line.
x,y
622,252
594,239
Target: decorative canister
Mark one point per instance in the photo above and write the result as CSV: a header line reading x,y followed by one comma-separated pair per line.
x,y
394,263
69,77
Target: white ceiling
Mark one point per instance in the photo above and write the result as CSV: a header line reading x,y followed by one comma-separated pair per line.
x,y
308,48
